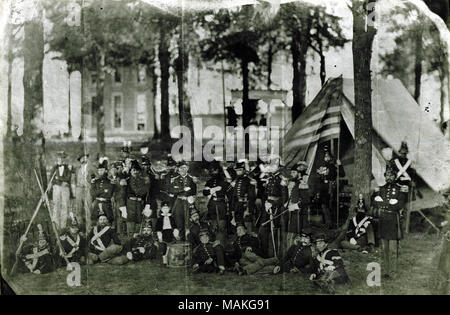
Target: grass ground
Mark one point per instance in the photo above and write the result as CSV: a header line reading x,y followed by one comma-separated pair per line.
x,y
416,271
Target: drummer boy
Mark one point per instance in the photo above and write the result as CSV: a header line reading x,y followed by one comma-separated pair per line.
x,y
166,229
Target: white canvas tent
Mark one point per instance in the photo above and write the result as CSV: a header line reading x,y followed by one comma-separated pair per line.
x,y
396,117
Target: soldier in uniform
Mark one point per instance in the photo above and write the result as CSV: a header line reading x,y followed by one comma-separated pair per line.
x,y
388,202
83,176
151,204
299,256
74,242
327,172
166,230
166,181
247,255
61,190
184,189
404,172
328,266
298,201
194,229
360,232
102,192
215,189
104,244
143,245
132,204
207,256
37,257
242,197
275,197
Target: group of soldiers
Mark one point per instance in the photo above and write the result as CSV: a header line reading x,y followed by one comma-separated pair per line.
x,y
255,219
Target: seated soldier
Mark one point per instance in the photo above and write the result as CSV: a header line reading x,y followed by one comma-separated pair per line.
x,y
73,241
37,257
166,230
208,257
328,266
360,232
299,256
144,245
195,227
104,243
246,250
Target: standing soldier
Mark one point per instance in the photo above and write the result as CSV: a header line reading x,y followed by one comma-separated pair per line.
x,y
83,176
61,190
298,201
102,191
166,181
388,202
215,189
184,189
276,195
133,201
242,197
404,172
327,172
151,204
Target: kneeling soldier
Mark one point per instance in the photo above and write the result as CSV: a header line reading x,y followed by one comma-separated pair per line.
x,y
73,242
166,229
104,244
298,257
329,266
143,246
38,257
208,257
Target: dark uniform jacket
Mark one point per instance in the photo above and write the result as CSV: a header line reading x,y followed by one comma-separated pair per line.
x,y
102,191
74,246
38,260
178,184
242,196
147,242
203,252
194,233
216,203
388,201
96,246
241,243
166,184
167,231
298,256
66,176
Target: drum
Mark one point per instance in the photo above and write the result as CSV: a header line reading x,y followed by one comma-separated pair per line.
x,y
179,255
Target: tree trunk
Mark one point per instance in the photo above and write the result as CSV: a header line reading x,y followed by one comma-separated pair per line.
x,y
182,67
245,94
83,105
33,56
69,120
154,78
296,102
10,62
269,65
442,99
323,72
99,99
164,61
418,64
362,55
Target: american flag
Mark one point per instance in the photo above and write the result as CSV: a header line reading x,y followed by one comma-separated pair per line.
x,y
319,122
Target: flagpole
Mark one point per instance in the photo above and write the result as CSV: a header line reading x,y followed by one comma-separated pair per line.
x,y
338,166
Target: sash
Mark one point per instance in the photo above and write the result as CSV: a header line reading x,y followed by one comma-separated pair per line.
x,y
100,246
402,174
74,244
35,257
325,262
359,225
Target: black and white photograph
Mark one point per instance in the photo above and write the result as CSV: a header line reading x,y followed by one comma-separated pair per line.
x,y
225,148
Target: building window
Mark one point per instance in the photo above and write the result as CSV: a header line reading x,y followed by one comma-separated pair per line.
x,y
94,110
118,111
141,112
117,76
141,73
